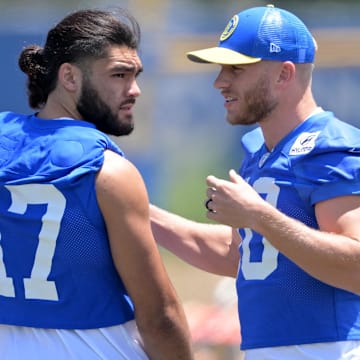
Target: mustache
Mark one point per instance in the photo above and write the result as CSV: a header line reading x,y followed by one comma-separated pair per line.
x,y
130,101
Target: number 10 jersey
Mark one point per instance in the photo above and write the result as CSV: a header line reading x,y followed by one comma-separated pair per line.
x,y
279,303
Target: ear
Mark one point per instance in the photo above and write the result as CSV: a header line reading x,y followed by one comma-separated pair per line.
x,y
69,76
287,73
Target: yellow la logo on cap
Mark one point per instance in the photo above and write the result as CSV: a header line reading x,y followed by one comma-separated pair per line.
x,y
230,28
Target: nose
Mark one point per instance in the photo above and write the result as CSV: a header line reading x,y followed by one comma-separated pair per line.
x,y
134,89
221,80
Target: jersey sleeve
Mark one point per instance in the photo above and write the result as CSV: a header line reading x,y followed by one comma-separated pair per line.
x,y
331,169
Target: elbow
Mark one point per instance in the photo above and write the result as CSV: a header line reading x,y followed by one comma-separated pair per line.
x,y
164,321
167,322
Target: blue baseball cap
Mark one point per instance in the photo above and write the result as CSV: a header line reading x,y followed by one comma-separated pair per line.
x,y
261,33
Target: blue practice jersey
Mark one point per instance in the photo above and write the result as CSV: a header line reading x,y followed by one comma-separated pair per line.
x,y
56,269
279,303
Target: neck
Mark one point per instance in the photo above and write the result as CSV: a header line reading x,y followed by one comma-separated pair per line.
x,y
284,120
56,108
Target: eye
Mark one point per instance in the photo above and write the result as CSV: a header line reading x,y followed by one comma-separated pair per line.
x,y
119,75
237,68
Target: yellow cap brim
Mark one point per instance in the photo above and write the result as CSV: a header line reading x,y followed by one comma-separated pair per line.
x,y
221,56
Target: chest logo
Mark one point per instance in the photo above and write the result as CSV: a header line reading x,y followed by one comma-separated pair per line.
x,y
304,143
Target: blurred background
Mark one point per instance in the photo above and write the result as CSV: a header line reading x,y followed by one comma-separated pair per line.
x,y
181,135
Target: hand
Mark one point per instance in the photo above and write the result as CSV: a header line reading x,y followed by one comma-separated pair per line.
x,y
234,203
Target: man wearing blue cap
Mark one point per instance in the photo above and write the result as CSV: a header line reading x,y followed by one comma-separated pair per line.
x,y
295,202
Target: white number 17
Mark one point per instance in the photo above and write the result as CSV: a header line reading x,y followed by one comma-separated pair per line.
x,y
37,286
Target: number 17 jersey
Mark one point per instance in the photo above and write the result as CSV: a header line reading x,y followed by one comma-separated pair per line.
x,y
56,269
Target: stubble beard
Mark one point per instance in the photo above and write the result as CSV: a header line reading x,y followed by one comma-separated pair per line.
x,y
259,103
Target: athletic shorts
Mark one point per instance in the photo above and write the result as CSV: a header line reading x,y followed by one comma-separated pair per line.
x,y
121,342
341,350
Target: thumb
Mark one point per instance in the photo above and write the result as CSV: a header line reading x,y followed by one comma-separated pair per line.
x,y
234,177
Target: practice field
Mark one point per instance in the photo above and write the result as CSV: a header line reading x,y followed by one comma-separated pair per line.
x,y
210,306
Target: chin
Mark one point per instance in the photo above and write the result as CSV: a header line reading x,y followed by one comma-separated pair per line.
x,y
232,121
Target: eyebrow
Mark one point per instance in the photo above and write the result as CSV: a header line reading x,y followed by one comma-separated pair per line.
x,y
127,68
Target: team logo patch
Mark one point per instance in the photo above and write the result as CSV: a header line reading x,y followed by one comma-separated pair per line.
x,y
230,28
304,143
263,159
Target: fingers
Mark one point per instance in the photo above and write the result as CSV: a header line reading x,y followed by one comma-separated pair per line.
x,y
207,205
210,193
219,196
214,184
234,177
212,181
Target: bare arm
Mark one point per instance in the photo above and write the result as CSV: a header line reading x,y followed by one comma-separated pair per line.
x,y
210,247
331,254
124,203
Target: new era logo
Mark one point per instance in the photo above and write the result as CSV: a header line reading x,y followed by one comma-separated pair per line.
x,y
274,48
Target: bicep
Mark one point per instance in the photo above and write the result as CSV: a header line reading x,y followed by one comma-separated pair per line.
x,y
124,204
340,215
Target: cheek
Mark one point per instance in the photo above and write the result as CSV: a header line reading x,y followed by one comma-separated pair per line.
x,y
116,88
110,93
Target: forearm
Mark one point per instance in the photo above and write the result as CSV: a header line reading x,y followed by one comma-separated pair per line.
x,y
331,258
168,337
209,247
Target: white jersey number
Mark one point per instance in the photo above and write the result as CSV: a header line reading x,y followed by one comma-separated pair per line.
x,y
37,286
260,270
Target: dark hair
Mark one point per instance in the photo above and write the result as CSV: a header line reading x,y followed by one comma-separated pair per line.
x,y
79,36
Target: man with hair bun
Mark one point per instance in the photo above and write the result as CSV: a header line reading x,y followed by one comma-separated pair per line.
x,y
80,273
290,229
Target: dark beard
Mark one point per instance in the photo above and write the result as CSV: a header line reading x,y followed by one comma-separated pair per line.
x,y
94,110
